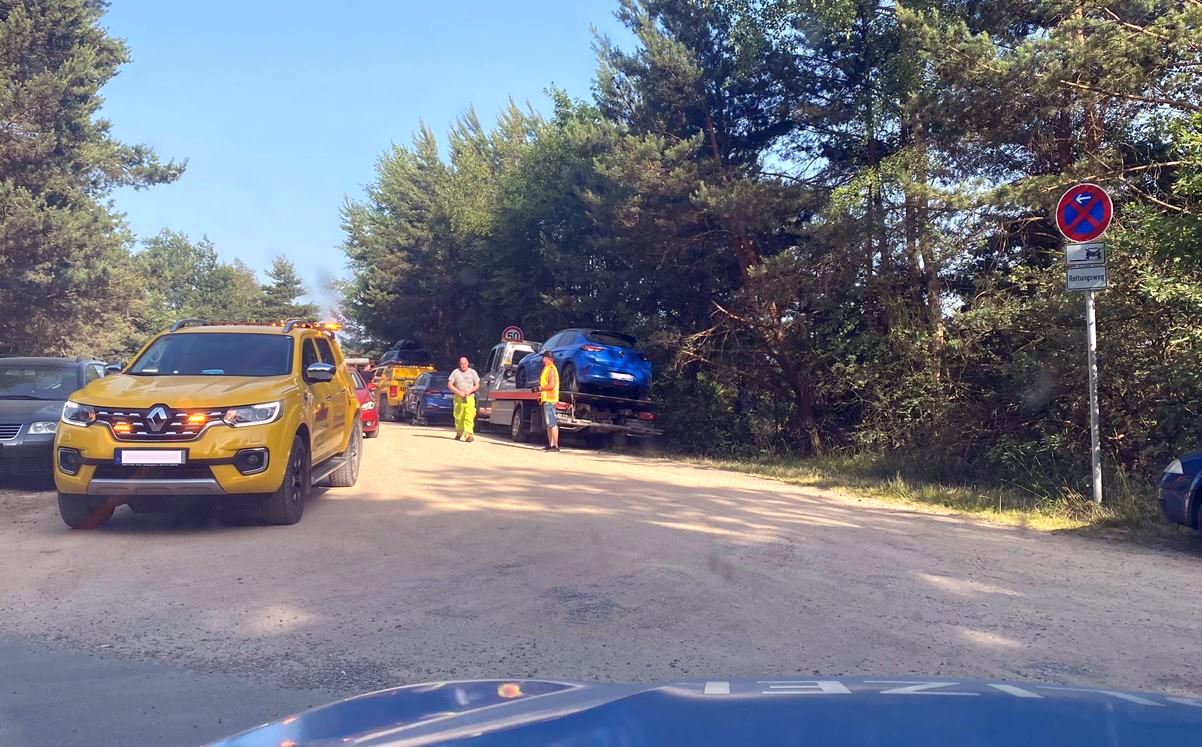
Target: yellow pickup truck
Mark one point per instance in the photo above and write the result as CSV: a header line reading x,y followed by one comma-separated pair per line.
x,y
250,416
396,371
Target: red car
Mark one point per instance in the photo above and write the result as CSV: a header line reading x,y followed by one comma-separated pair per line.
x,y
367,404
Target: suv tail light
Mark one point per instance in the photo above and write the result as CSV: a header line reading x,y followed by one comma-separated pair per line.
x,y
562,405
591,348
433,391
392,391
646,416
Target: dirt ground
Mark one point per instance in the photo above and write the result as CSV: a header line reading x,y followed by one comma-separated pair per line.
x,y
453,560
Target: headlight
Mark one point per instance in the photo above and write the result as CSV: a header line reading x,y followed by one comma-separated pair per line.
x,y
253,414
369,405
1174,468
36,428
77,414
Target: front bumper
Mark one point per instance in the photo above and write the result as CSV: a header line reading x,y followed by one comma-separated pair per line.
x,y
26,455
1173,496
208,469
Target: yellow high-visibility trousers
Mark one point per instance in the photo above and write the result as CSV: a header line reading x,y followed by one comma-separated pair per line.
x,y
465,415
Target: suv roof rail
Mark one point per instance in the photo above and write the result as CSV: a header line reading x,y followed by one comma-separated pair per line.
x,y
188,323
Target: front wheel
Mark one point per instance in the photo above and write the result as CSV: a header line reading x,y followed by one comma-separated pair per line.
x,y
84,512
287,504
519,379
518,429
348,474
372,434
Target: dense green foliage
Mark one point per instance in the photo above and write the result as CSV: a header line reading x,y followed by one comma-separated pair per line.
x,y
829,224
69,283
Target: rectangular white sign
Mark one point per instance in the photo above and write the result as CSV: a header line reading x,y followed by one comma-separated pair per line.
x,y
1086,278
1093,253
155,457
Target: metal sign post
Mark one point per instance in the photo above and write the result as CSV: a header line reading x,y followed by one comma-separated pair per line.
x,y
1095,428
1082,215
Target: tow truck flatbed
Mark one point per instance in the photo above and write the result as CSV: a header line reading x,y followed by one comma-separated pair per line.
x,y
601,418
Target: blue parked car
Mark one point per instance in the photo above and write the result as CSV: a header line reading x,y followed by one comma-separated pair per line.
x,y
1181,491
593,361
428,399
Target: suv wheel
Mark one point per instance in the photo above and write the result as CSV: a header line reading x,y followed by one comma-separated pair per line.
x,y
348,474
287,503
570,382
84,512
517,427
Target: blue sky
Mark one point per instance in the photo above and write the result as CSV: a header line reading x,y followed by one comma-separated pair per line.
x,y
282,108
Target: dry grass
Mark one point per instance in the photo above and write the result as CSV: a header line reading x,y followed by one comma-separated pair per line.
x,y
1128,510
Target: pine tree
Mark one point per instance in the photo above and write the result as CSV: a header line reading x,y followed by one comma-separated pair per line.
x,y
280,294
68,285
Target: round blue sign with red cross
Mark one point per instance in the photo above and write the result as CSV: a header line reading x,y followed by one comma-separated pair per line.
x,y
1084,212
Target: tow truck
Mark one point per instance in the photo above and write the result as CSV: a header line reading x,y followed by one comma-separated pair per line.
x,y
601,419
397,369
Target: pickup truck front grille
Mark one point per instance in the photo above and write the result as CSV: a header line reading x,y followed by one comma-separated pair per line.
x,y
158,424
182,472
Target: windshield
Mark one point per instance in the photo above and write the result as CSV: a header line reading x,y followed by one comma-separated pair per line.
x,y
216,354
26,381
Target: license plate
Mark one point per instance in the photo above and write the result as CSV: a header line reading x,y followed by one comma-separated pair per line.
x,y
621,376
151,457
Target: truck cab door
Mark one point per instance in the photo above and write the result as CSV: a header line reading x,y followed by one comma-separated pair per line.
x,y
338,410
315,402
491,374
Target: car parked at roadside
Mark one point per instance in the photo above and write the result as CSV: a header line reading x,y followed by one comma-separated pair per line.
x,y
594,361
248,416
366,392
32,393
1180,491
429,399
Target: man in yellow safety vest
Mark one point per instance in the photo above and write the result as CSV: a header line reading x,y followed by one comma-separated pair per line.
x,y
548,396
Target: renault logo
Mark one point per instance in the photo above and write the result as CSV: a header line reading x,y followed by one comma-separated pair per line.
x,y
157,418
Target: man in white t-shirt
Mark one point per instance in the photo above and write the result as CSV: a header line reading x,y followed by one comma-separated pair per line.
x,y
464,382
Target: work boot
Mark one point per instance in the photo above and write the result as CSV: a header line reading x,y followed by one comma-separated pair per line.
x,y
469,438
458,436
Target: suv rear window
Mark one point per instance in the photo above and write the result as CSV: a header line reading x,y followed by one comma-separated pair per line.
x,y
216,354
611,338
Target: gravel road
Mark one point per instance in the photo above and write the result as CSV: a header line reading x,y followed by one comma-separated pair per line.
x,y
453,560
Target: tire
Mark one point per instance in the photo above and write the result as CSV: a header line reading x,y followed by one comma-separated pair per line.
x,y
419,415
372,434
287,504
519,429
348,474
84,512
384,409
519,378
570,382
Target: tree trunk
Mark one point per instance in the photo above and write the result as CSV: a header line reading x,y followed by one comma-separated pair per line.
x,y
934,286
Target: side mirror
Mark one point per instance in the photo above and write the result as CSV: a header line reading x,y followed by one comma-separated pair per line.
x,y
320,372
114,368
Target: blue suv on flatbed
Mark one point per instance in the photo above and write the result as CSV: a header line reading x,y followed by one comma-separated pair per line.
x,y
593,360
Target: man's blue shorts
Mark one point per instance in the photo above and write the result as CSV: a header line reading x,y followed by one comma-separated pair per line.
x,y
549,418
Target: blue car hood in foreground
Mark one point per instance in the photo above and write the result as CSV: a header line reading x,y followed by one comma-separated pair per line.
x,y
899,711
